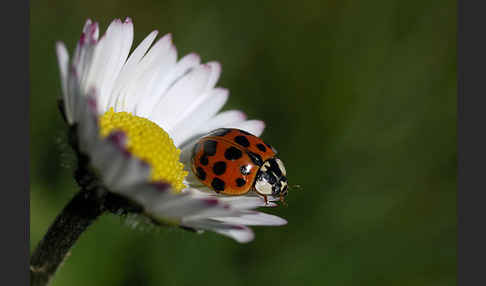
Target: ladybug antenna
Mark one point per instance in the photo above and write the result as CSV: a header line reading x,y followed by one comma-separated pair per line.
x,y
295,187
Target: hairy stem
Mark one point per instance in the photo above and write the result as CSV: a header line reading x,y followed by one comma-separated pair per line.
x,y
74,219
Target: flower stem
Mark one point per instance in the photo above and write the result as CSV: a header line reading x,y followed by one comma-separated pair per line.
x,y
74,219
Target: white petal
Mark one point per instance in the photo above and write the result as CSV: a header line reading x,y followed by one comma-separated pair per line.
x,y
205,102
215,69
88,131
222,210
160,89
254,218
240,233
189,206
243,235
247,202
128,71
125,34
150,195
254,127
198,113
131,170
74,90
109,57
154,67
179,96
63,61
91,31
223,119
85,50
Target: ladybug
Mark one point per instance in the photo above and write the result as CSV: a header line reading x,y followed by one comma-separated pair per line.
x,y
234,162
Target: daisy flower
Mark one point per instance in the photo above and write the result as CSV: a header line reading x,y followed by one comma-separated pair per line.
x,y
134,117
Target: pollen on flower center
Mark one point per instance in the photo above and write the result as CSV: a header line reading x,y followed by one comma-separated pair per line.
x,y
149,142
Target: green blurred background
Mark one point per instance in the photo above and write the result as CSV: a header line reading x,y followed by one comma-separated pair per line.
x,y
359,97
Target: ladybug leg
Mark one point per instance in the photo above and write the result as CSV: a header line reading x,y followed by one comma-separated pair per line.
x,y
282,200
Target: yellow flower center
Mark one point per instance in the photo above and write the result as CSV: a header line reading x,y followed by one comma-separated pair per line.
x,y
147,141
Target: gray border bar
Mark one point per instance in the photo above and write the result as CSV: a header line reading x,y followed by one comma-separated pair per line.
x,y
15,144
471,142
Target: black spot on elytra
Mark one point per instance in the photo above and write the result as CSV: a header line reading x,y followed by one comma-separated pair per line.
x,y
219,168
210,147
232,153
242,141
261,147
218,185
200,173
220,132
245,170
204,160
257,159
240,182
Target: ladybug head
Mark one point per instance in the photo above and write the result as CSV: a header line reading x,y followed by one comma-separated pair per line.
x,y
271,178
